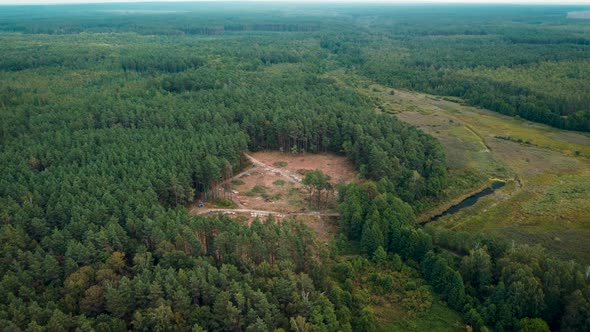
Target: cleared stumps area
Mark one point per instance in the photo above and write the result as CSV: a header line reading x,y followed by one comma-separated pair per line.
x,y
272,185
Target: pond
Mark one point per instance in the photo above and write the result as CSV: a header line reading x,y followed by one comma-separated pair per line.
x,y
471,200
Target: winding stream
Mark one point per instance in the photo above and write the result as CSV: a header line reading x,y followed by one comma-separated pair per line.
x,y
469,201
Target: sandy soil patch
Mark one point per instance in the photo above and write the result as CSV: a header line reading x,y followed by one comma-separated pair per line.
x,y
274,183
337,167
263,189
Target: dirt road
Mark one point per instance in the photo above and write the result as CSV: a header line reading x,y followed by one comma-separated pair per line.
x,y
262,213
289,175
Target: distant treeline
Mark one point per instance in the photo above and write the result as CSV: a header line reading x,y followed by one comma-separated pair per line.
x,y
443,55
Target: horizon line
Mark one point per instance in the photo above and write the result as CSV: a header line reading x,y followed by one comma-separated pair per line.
x,y
312,2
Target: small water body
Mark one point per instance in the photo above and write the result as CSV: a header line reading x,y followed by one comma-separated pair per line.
x,y
471,200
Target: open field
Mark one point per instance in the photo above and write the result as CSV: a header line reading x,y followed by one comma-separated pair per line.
x,y
547,198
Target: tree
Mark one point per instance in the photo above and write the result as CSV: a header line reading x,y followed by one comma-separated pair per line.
x,y
116,262
380,256
365,321
473,318
476,268
59,321
315,183
455,290
299,324
526,295
93,300
533,325
577,312
372,237
120,300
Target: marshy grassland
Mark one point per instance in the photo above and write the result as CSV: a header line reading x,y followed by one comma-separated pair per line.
x,y
547,196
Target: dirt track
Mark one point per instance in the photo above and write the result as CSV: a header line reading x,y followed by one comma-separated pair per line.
x,y
262,213
287,174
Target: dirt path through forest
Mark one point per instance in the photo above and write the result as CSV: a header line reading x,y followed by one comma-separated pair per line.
x,y
293,178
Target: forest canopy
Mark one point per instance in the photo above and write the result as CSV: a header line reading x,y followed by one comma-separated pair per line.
x,y
116,117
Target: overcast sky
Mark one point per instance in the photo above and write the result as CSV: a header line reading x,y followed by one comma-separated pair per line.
x,y
584,2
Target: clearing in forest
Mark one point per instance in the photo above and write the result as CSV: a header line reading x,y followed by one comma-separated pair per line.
x,y
273,185
547,170
274,181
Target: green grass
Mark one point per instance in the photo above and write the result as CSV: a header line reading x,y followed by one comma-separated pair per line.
x,y
453,99
223,203
237,182
279,183
274,197
280,164
258,190
399,299
438,318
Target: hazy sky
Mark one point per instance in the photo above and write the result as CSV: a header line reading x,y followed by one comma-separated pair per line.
x,y
584,2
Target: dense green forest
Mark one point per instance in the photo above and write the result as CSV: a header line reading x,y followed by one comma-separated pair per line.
x,y
116,117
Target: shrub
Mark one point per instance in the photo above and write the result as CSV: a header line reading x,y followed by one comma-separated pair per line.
x,y
224,202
